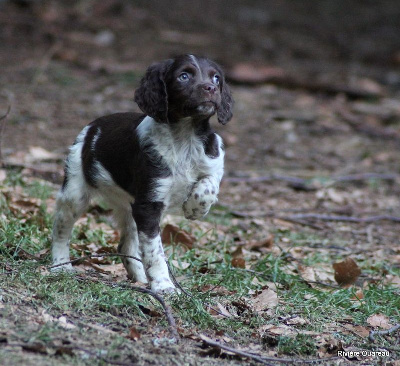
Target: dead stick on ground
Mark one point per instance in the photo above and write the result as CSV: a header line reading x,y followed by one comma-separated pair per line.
x,y
178,285
94,256
166,307
357,177
341,218
373,333
301,218
258,358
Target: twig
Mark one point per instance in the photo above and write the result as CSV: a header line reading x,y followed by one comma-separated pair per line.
x,y
95,256
2,124
178,285
373,333
166,307
258,358
315,216
307,182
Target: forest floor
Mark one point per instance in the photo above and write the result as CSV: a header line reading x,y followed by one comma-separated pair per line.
x,y
312,180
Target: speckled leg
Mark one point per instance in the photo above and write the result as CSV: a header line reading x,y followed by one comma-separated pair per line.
x,y
147,216
70,206
201,198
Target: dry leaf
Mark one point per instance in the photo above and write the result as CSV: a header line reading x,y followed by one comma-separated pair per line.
x,y
281,330
268,242
359,295
238,262
134,334
379,320
180,265
173,234
357,329
267,299
346,272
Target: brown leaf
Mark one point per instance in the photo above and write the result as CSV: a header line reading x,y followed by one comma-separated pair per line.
x,y
266,299
357,329
134,334
359,295
173,234
346,272
266,243
238,262
379,320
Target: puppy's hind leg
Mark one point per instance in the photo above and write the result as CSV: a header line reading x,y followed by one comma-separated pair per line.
x,y
72,202
129,245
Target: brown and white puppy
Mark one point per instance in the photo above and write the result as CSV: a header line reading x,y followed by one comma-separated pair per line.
x,y
167,160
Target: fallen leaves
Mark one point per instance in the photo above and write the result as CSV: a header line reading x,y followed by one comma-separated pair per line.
x,y
265,300
380,321
173,234
346,272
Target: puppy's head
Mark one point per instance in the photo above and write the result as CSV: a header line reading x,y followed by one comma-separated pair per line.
x,y
187,86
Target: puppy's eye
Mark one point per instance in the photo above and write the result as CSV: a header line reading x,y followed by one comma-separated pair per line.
x,y
183,77
215,79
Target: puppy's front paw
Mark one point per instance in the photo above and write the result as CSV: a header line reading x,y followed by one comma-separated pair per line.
x,y
164,286
64,268
199,201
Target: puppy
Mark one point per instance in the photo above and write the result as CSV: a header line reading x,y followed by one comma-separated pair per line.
x,y
167,160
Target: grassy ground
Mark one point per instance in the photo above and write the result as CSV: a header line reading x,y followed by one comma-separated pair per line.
x,y
272,306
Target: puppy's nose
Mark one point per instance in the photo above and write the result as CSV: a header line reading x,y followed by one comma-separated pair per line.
x,y
210,88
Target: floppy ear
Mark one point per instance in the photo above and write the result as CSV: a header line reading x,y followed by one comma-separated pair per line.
x,y
224,112
151,96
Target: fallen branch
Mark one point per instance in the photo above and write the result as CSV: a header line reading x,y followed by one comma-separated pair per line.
x,y
374,333
321,217
76,260
258,358
167,309
296,181
302,218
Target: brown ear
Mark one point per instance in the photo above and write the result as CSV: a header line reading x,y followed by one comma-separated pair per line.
x,y
224,112
151,96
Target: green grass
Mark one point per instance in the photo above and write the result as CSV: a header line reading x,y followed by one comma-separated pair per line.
x,y
91,299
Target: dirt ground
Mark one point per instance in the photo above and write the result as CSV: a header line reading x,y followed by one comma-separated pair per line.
x,y
64,64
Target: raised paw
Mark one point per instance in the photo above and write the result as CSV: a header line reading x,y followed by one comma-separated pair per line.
x,y
200,200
